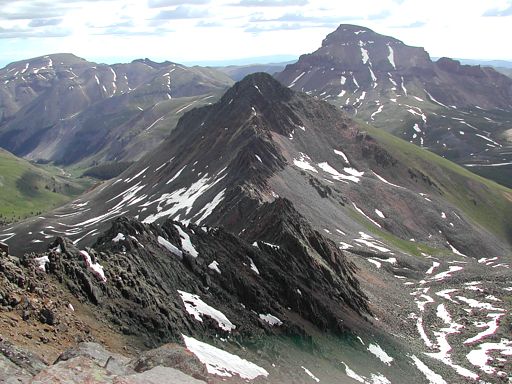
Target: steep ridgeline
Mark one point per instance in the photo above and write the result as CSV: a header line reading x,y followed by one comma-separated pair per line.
x,y
65,109
461,112
262,141
312,192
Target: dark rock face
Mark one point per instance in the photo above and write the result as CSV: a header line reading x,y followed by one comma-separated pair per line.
x,y
143,277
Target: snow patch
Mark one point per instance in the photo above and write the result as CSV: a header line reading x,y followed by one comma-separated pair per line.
x,y
342,155
362,213
303,162
308,372
364,53
41,262
431,376
454,250
353,176
435,264
350,373
480,358
386,182
254,267
492,327
214,266
379,110
444,275
170,247
380,214
391,56
210,206
270,319
186,243
118,238
370,242
95,267
296,79
376,350
222,363
198,308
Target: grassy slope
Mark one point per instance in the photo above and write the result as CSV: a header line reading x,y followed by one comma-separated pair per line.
x,y
27,190
484,201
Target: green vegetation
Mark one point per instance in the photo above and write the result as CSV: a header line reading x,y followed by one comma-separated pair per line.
x,y
406,246
108,170
28,190
487,203
502,175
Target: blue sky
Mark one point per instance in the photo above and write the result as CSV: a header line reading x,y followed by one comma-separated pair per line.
x,y
213,30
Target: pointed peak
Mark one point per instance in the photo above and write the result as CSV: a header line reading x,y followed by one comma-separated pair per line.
x,y
258,86
152,63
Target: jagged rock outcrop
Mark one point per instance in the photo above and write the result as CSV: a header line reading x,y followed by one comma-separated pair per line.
x,y
303,273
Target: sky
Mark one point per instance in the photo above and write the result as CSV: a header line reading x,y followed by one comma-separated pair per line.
x,y
224,31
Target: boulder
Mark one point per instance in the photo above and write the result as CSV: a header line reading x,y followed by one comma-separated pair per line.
x,y
114,363
77,370
13,357
158,375
10,373
173,356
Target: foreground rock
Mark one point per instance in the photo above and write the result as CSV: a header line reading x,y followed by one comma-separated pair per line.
x,y
90,363
82,369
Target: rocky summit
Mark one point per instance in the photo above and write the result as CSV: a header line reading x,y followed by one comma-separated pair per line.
x,y
461,112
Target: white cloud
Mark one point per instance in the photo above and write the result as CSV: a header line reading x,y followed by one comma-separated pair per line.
x,y
115,30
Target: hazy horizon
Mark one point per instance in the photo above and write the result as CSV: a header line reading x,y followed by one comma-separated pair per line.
x,y
231,31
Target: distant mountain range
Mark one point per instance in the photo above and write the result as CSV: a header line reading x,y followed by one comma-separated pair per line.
x,y
485,63
67,110
461,112
118,113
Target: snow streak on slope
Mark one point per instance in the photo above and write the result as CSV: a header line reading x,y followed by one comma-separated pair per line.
x,y
183,199
459,322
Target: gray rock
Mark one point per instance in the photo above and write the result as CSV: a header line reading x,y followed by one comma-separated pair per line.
x,y
23,360
158,375
85,369
77,370
173,356
114,363
10,373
